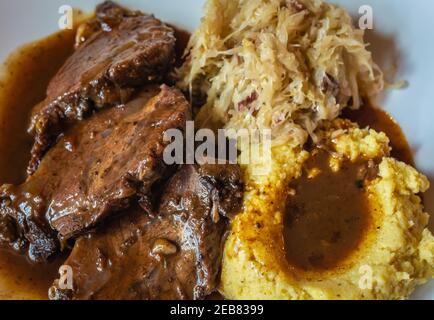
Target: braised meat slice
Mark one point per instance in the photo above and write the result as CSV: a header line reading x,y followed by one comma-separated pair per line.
x,y
98,168
173,254
104,71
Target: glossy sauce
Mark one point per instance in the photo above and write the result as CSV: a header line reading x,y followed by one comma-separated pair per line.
x,y
379,120
327,216
23,84
182,38
25,76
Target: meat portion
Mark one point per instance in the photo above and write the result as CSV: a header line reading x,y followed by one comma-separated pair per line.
x,y
98,168
173,254
129,51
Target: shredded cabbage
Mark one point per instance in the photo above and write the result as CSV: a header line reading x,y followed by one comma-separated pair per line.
x,y
280,65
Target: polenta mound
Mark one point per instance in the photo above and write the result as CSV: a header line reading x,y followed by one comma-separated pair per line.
x,y
396,251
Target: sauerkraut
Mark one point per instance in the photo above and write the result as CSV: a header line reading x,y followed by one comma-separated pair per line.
x,y
284,65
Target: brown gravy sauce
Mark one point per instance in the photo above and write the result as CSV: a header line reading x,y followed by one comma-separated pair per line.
x,y
23,84
24,79
380,120
328,215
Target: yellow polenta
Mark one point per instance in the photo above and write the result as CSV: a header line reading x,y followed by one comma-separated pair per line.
x,y
396,255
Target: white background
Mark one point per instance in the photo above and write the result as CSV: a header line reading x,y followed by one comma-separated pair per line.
x,y
403,33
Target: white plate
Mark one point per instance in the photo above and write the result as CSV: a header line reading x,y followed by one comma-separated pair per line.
x,y
403,31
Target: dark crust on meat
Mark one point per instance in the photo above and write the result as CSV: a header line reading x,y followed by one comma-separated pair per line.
x,y
105,71
10,234
108,15
26,231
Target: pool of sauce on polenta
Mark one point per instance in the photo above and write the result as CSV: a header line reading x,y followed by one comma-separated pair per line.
x,y
327,213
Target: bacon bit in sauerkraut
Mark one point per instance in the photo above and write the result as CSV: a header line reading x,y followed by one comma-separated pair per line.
x,y
247,101
297,5
303,60
330,86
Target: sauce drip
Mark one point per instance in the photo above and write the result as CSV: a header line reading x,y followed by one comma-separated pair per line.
x,y
379,120
20,279
23,84
328,216
182,38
